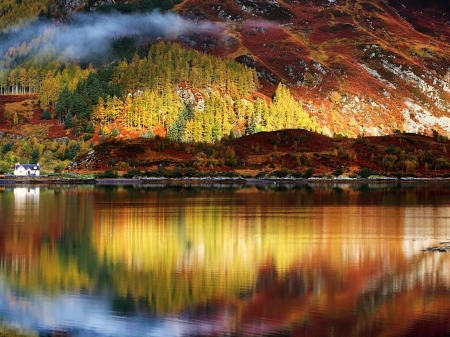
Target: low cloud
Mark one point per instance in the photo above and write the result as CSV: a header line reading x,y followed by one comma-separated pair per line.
x,y
89,33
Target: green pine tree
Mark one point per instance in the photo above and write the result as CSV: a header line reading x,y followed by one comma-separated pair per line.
x,y
251,127
68,122
115,132
62,107
35,156
46,115
90,128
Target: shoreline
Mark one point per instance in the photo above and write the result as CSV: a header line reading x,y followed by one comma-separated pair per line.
x,y
219,180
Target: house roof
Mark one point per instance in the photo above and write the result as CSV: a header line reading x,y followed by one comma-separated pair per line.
x,y
29,166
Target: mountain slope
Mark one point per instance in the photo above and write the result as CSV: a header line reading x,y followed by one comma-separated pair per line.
x,y
360,67
363,67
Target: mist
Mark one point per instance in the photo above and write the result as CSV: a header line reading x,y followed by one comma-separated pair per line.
x,y
91,33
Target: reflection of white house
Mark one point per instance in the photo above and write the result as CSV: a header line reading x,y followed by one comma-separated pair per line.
x,y
26,195
26,169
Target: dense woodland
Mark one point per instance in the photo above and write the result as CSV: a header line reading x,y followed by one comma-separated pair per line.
x,y
144,94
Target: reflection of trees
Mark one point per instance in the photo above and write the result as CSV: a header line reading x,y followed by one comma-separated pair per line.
x,y
294,304
411,296
183,252
50,271
172,259
311,300
5,330
31,238
329,265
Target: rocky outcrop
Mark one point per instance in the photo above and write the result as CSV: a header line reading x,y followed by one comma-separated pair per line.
x,y
443,247
190,96
86,163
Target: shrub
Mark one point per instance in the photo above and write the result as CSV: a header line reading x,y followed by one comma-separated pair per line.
x,y
365,173
190,172
397,174
58,168
391,149
120,165
305,158
280,173
46,115
231,162
442,163
148,173
261,174
275,141
108,174
132,162
3,167
230,175
159,172
175,173
338,172
149,134
132,173
308,173
389,162
201,174
297,174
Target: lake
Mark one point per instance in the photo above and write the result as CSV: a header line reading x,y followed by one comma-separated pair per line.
x,y
284,259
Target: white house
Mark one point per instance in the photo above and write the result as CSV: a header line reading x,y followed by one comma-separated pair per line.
x,y
26,169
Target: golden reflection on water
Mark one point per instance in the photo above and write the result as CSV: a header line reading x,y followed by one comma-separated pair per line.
x,y
330,261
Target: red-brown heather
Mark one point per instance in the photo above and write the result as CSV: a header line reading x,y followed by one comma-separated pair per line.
x,y
356,64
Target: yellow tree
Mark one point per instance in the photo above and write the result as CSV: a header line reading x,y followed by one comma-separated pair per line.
x,y
99,113
3,82
197,127
32,80
151,105
23,76
114,108
227,113
127,110
12,79
288,113
48,90
282,101
189,131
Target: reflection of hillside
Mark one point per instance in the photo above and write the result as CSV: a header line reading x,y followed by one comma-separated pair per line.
x,y
247,261
173,253
48,271
33,221
309,301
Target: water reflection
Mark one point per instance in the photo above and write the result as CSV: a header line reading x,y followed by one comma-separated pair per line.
x,y
26,201
295,260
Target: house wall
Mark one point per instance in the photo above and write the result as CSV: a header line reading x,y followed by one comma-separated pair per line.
x,y
23,172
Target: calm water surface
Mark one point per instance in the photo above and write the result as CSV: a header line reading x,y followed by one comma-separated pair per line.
x,y
318,260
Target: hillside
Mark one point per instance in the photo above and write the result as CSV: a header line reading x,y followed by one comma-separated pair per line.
x,y
296,152
362,67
